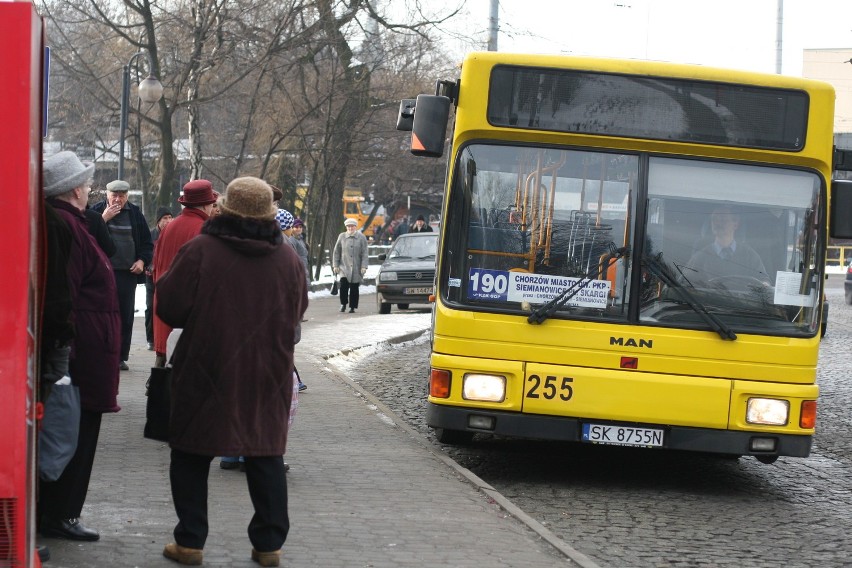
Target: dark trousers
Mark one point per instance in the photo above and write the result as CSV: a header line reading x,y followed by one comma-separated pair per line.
x,y
65,497
149,310
125,283
267,484
349,293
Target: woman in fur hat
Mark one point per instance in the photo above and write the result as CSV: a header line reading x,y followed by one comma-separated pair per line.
x,y
238,293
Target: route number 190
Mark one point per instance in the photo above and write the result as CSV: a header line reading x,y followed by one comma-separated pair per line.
x,y
487,283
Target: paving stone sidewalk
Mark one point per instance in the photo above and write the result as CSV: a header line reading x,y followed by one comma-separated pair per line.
x,y
363,491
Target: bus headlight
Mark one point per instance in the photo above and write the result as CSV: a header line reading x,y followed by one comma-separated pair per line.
x,y
768,411
487,388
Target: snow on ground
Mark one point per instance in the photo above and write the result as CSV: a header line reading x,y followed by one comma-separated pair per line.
x,y
325,278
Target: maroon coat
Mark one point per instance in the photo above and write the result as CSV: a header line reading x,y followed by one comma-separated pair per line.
x,y
94,300
238,293
186,226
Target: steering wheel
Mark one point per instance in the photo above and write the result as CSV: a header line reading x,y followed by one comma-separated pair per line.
x,y
740,281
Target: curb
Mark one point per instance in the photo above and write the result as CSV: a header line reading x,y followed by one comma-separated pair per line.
x,y
502,501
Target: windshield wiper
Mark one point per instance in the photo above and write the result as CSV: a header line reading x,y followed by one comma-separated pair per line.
x,y
656,268
546,310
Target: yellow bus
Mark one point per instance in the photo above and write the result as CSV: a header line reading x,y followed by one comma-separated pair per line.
x,y
632,253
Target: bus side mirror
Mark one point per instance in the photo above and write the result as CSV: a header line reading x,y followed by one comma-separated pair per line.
x,y
840,222
431,113
405,118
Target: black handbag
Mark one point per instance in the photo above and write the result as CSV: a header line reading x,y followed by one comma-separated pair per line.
x,y
334,288
158,409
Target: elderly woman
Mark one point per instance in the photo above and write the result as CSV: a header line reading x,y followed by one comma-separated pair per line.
x,y
238,292
349,261
95,349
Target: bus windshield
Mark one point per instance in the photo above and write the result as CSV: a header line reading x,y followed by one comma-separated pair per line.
x,y
661,241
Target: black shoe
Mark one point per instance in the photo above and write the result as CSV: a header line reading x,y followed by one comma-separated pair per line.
x,y
229,464
123,366
72,529
302,387
43,552
351,310
343,308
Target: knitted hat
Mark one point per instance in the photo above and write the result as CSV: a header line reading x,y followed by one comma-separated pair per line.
x,y
420,218
198,192
285,219
350,221
118,186
298,222
63,172
248,197
162,212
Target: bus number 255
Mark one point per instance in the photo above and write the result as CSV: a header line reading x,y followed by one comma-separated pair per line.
x,y
550,387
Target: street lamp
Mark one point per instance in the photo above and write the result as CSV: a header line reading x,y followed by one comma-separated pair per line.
x,y
150,91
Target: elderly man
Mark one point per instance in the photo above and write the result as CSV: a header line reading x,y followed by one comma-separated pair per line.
x,y
134,250
93,365
198,201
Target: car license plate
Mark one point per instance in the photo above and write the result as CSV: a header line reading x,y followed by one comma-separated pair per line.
x,y
622,435
426,290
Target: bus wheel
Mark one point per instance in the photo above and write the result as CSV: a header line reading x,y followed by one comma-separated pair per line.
x,y
384,308
454,437
766,459
402,306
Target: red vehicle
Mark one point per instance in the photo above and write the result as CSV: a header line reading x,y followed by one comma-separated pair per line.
x,y
21,66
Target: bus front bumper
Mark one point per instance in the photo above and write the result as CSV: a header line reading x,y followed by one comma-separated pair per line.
x,y
536,426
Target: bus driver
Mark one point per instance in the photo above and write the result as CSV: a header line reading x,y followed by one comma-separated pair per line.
x,y
725,257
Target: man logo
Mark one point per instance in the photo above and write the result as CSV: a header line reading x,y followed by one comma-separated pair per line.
x,y
630,342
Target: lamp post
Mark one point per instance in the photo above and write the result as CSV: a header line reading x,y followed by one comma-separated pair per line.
x,y
150,91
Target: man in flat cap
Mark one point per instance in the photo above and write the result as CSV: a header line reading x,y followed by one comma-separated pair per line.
x,y
198,200
134,251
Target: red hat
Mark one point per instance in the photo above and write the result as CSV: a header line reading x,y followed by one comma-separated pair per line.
x,y
198,192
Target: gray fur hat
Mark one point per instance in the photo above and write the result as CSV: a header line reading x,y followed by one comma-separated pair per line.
x,y
63,172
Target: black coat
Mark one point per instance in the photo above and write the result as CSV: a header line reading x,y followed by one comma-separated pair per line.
x,y
141,234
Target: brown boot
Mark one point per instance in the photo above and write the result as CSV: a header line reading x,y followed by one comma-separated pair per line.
x,y
266,558
184,555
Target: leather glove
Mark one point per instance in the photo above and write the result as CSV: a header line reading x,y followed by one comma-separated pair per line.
x,y
54,363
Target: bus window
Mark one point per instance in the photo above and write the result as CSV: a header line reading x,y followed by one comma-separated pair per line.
x,y
738,239
534,218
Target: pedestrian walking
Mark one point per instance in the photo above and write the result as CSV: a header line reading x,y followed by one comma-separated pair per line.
x,y
232,378
349,261
134,250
